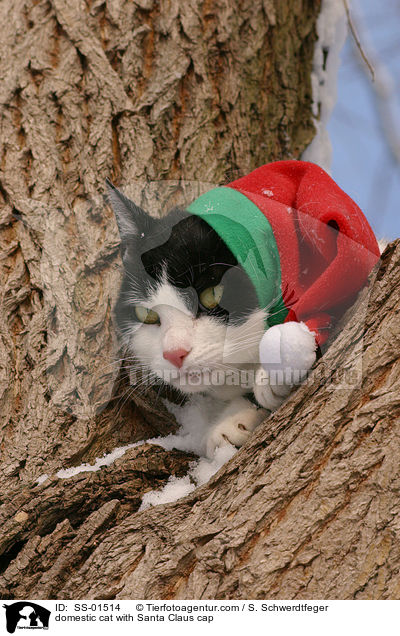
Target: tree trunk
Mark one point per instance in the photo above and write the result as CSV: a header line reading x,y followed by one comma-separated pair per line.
x,y
144,91
308,508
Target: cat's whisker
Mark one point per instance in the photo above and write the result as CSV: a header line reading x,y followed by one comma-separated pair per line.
x,y
137,388
243,340
240,344
116,363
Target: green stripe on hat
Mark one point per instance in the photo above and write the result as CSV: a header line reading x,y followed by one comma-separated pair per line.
x,y
249,236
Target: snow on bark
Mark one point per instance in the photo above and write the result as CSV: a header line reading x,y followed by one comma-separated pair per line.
x,y
332,32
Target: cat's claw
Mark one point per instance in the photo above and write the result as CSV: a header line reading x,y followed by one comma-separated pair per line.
x,y
234,426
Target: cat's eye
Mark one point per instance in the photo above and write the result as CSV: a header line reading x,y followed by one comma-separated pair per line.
x,y
148,316
211,296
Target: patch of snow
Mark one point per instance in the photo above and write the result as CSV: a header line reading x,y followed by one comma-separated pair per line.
x,y
200,473
332,31
106,460
383,242
193,418
269,193
205,468
174,489
42,478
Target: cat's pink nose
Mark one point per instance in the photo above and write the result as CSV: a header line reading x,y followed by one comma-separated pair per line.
x,y
176,356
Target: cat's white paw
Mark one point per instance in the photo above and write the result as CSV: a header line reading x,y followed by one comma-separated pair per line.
x,y
234,425
287,352
289,347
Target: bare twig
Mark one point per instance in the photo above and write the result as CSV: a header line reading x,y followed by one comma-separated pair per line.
x,y
357,40
383,89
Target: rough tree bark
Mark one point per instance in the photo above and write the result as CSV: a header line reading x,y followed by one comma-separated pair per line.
x,y
142,91
308,508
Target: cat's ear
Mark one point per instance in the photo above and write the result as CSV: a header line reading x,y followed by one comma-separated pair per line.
x,y
130,217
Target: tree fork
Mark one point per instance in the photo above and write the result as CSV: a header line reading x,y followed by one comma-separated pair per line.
x,y
308,508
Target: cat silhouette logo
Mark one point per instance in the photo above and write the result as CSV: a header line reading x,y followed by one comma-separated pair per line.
x,y
26,615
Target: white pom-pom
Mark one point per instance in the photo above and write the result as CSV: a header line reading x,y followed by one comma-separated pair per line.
x,y
290,346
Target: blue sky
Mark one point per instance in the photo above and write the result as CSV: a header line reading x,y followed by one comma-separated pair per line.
x,y
362,163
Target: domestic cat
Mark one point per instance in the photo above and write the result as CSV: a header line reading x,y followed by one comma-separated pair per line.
x,y
232,295
189,313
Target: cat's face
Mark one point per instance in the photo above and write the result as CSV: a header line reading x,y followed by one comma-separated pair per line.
x,y
186,309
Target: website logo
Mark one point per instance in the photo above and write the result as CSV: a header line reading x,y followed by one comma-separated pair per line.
x,y
26,615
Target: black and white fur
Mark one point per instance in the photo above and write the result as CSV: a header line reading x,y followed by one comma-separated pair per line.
x,y
168,262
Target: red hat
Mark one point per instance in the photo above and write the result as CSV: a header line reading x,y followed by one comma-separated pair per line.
x,y
310,251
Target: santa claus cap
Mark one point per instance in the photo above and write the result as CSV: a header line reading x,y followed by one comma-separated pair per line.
x,y
304,243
